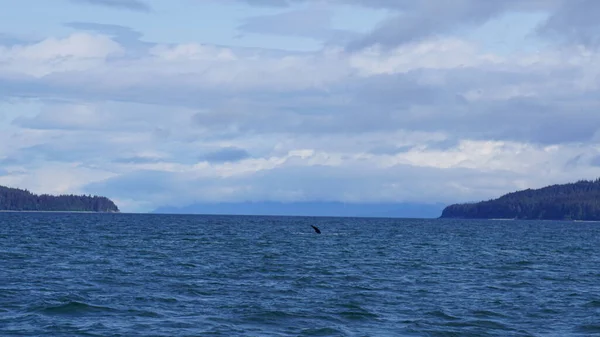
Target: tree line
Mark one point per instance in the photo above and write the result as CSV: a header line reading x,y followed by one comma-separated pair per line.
x,y
14,199
573,201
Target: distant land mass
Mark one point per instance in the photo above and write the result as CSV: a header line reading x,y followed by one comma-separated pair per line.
x,y
572,201
14,199
384,210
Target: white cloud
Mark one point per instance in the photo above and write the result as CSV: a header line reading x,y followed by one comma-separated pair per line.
x,y
449,53
192,52
77,52
55,178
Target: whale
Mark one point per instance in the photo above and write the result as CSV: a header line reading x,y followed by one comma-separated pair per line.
x,y
318,231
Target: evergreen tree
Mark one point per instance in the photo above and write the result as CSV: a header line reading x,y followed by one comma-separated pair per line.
x,y
14,199
574,201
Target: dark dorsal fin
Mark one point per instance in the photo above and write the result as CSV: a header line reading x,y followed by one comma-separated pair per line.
x,y
316,229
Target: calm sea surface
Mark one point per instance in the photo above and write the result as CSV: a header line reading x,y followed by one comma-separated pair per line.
x,y
172,275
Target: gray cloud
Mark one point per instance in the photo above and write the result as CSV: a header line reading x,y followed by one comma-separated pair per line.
x,y
414,20
226,154
312,23
435,18
134,5
377,103
381,103
595,161
60,150
575,21
76,88
116,31
390,149
570,21
92,117
125,36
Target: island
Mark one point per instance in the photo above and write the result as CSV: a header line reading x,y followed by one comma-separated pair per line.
x,y
572,201
15,199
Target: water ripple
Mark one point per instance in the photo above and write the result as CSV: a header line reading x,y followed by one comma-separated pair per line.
x,y
166,275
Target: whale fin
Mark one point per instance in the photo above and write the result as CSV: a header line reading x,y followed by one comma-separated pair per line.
x,y
318,231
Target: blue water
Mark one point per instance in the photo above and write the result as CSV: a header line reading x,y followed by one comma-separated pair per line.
x,y
170,275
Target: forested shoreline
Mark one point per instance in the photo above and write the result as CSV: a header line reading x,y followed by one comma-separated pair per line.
x,y
572,201
15,199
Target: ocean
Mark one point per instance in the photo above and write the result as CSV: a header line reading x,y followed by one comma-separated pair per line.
x,y
66,274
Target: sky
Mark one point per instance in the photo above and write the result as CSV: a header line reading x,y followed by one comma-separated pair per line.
x,y
154,103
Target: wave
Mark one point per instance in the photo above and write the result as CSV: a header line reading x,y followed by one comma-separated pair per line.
x,y
72,308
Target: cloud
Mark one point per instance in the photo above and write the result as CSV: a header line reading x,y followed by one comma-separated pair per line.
x,y
54,178
134,5
389,150
410,21
78,52
426,20
314,23
574,22
311,177
595,161
226,154
239,91
115,31
137,160
127,37
310,183
420,115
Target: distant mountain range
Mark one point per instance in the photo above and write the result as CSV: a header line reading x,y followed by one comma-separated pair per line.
x,y
400,210
573,201
14,199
